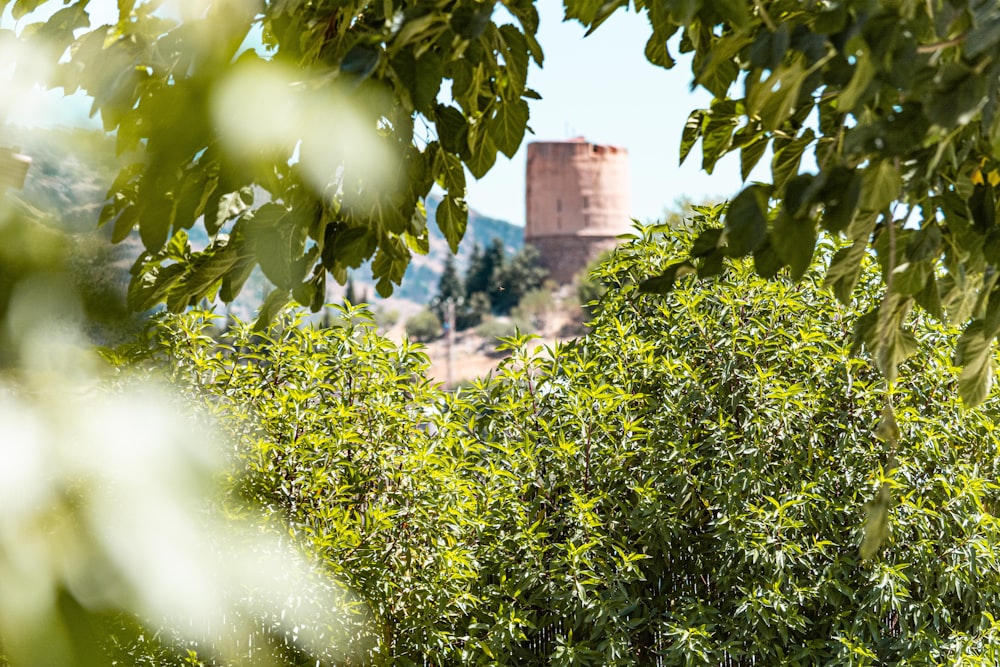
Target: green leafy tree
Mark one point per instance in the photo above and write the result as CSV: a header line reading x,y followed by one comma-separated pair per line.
x,y
450,289
262,146
351,294
882,122
686,484
881,118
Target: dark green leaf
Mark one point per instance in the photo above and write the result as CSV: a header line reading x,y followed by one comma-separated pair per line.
x,y
154,227
706,243
684,11
348,246
769,48
469,22
845,271
746,221
888,429
482,154
452,129
657,51
930,298
124,224
787,157
773,99
279,238
361,60
515,57
794,241
716,139
750,155
452,217
840,195
733,12
881,186
958,96
766,261
275,301
664,283
692,131
876,522
910,278
974,353
508,126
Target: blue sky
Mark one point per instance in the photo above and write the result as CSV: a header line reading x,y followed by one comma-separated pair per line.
x,y
600,87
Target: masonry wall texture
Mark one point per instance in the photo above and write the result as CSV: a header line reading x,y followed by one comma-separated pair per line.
x,y
578,200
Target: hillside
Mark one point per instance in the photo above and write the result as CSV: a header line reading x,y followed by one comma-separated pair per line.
x,y
73,168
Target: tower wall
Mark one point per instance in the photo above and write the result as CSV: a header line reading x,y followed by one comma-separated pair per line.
x,y
578,200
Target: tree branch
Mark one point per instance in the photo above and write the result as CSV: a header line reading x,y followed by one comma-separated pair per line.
x,y
765,17
937,46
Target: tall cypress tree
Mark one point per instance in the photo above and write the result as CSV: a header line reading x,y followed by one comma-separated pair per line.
x,y
481,276
449,287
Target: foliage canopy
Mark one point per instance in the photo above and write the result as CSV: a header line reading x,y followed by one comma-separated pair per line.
x,y
883,126
881,119
330,175
686,483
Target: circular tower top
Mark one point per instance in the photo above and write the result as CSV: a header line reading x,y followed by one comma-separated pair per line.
x,y
576,188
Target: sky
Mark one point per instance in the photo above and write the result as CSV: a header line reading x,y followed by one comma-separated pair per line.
x,y
600,87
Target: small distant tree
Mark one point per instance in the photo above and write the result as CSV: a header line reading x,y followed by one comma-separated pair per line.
x,y
424,326
476,310
534,308
483,267
385,318
513,279
351,295
449,288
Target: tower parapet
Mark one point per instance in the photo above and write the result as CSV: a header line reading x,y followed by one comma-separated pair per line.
x,y
578,201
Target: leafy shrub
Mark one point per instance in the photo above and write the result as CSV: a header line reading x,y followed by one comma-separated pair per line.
x,y
386,318
589,288
493,329
686,484
535,307
424,326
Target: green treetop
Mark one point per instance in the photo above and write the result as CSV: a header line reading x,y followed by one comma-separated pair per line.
x,y
883,126
313,153
307,155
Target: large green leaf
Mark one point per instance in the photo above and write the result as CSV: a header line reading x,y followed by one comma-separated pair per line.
x,y
665,282
746,221
452,216
507,128
845,271
974,353
794,241
279,237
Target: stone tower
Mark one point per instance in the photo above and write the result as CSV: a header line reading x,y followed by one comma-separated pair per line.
x,y
578,200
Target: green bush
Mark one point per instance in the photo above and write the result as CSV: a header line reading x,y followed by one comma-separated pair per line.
x,y
686,484
589,288
424,326
386,318
535,307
